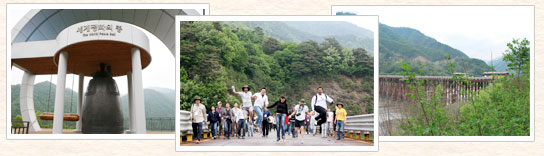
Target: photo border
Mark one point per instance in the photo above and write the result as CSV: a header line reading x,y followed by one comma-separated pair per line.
x,y
530,138
11,6
373,148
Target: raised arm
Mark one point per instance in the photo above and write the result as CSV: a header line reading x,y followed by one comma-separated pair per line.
x,y
329,99
234,90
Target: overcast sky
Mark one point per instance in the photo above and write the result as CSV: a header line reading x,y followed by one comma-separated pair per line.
x,y
475,30
159,73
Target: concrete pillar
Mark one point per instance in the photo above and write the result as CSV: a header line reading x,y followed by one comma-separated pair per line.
x,y
26,96
59,94
130,105
138,112
79,101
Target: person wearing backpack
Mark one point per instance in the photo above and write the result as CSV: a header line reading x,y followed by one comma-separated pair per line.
x,y
319,104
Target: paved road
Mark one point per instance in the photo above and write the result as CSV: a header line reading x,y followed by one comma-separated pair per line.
x,y
258,140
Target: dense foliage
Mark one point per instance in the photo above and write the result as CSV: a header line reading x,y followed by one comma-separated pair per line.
x,y
217,55
500,109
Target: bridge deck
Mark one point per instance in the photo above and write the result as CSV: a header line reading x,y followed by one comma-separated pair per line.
x,y
258,140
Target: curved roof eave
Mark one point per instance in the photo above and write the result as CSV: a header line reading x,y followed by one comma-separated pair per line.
x,y
45,24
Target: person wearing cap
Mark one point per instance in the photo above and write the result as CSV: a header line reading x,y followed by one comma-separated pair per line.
x,y
246,97
281,112
319,104
301,110
220,124
198,116
247,106
261,101
340,121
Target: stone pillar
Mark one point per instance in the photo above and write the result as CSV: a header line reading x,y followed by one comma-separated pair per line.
x,y
59,94
79,101
130,105
26,96
138,108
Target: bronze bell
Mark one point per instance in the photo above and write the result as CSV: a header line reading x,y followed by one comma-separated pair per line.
x,y
102,113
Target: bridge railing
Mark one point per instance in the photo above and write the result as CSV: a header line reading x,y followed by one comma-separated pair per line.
x,y
186,126
360,125
435,77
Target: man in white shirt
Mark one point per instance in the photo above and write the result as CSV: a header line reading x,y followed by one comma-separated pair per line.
x,y
261,101
246,97
246,101
319,104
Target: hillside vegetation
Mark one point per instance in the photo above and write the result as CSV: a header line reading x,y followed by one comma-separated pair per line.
x,y
216,55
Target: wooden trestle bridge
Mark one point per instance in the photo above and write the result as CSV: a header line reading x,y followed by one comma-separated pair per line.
x,y
391,86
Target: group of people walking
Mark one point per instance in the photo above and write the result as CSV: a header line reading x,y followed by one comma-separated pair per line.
x,y
248,118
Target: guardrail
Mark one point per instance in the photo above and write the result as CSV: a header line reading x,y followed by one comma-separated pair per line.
x,y
359,125
186,126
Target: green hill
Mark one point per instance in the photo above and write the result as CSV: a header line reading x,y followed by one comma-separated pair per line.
x,y
410,45
41,96
157,103
347,34
499,64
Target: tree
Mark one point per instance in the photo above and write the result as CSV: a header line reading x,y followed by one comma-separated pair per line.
x,y
363,63
517,55
271,45
311,56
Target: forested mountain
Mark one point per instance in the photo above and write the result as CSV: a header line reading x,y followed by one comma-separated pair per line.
x,y
217,55
159,102
499,64
410,45
347,34
42,93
